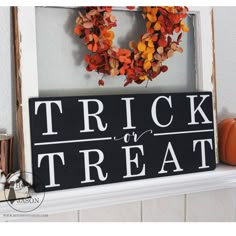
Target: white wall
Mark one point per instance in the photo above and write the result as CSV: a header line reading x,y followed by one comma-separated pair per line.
x,y
225,42
208,206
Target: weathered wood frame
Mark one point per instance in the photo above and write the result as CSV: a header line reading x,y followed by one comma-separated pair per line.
x,y
27,72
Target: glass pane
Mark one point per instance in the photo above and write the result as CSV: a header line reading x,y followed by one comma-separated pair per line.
x,y
61,67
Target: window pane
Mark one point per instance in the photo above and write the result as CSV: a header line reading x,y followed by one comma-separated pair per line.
x,y
62,69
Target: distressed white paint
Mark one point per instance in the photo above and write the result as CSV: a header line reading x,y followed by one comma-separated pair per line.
x,y
7,89
204,48
129,212
169,209
28,74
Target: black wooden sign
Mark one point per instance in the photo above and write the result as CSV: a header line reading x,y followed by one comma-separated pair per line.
x,y
93,140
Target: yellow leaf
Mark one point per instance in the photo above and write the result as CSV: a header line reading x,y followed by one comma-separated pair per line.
x,y
150,56
184,27
141,46
150,44
150,50
147,65
114,72
144,77
157,26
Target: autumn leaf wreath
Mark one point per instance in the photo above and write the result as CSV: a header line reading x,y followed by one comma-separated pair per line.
x,y
144,59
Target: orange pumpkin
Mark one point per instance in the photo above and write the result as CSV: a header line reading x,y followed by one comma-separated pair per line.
x,y
227,141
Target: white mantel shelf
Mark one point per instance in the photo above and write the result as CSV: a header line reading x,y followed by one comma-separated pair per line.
x,y
110,194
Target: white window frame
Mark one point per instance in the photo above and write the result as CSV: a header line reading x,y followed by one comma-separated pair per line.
x,y
27,69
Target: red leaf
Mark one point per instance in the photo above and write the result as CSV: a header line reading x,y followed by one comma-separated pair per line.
x,y
179,37
101,82
127,83
139,81
162,42
130,8
164,68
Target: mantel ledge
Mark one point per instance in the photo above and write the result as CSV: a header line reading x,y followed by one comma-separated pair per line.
x,y
104,195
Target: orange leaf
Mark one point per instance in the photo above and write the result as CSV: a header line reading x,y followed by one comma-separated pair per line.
x,y
177,29
147,65
95,38
143,77
141,46
154,38
148,25
122,70
150,56
154,10
150,44
151,17
77,30
184,27
157,26
90,47
95,47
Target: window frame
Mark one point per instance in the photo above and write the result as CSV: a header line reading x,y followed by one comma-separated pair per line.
x,y
25,48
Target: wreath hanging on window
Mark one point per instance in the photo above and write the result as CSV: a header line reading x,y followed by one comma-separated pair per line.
x,y
144,60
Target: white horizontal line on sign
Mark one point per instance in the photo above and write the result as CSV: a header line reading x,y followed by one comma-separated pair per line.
x,y
73,141
184,132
